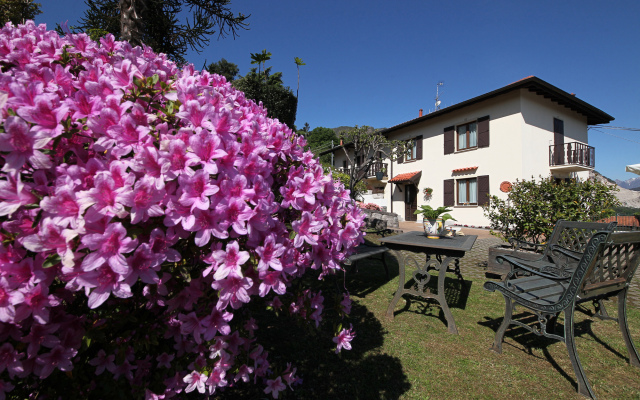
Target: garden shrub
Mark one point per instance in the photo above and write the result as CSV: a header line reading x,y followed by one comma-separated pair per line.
x,y
533,207
145,211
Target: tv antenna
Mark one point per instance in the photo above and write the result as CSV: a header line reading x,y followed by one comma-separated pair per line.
x,y
438,95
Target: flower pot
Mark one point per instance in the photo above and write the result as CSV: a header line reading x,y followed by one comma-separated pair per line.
x,y
432,227
379,175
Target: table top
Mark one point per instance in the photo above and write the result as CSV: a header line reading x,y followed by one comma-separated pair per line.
x,y
417,241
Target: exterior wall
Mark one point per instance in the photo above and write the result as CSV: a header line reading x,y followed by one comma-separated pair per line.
x,y
537,132
520,131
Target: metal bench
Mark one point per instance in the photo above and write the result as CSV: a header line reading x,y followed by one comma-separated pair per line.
x,y
604,270
365,251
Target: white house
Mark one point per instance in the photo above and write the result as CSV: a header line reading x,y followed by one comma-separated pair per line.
x,y
476,148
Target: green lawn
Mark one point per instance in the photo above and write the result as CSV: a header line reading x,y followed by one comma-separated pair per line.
x,y
413,356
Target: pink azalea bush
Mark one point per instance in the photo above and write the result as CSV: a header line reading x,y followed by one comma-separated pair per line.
x,y
145,210
369,206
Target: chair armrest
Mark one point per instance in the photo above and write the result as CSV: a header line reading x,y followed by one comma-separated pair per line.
x,y
517,243
564,251
517,265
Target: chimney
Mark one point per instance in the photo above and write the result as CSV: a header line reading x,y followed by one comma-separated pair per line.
x,y
420,113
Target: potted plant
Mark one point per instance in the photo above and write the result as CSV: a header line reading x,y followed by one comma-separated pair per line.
x,y
432,221
381,174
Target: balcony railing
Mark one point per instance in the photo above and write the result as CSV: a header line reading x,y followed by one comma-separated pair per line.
x,y
573,153
371,172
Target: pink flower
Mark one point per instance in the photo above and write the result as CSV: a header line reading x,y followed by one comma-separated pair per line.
x,y
305,229
216,380
13,195
104,200
52,237
196,190
230,261
102,362
59,357
164,360
104,281
275,386
37,301
270,254
344,338
23,145
109,247
195,380
9,297
144,200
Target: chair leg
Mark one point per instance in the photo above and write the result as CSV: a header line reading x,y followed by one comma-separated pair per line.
x,y
601,311
584,388
508,312
624,328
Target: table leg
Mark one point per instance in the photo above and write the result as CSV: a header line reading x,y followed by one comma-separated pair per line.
x,y
421,283
442,274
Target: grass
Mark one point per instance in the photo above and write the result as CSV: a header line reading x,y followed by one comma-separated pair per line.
x,y
413,356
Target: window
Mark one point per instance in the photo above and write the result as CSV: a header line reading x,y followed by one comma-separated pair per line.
x,y
467,136
412,150
467,191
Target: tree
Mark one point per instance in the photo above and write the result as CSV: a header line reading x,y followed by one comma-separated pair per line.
x,y
298,62
533,207
369,146
225,68
320,139
261,59
268,88
18,11
156,23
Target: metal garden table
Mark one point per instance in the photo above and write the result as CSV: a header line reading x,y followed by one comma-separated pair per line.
x,y
442,254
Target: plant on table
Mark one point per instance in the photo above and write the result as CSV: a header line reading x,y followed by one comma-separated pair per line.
x,y
146,212
430,215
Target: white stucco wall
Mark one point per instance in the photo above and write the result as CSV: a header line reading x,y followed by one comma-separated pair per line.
x,y
521,128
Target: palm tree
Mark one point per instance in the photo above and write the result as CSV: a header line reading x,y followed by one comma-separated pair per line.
x,y
260,58
298,62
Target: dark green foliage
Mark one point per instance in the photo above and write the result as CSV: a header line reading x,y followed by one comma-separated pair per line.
x,y
320,139
156,24
268,88
622,210
225,68
18,11
533,207
359,188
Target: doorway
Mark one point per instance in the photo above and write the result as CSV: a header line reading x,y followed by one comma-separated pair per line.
x,y
410,202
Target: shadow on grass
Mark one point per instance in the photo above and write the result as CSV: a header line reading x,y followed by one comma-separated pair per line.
x,y
530,340
360,373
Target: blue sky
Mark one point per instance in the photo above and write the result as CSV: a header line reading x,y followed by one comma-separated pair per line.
x,y
377,63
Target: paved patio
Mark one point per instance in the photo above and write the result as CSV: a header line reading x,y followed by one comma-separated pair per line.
x,y
473,264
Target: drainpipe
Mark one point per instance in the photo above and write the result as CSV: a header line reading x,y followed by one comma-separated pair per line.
x,y
391,187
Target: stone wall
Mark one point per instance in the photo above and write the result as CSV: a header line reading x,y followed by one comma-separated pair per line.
x,y
380,219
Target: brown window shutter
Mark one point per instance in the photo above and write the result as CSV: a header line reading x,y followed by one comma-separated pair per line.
x,y
449,193
419,148
483,131
401,158
449,140
483,190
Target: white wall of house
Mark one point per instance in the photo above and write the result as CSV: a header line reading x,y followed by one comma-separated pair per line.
x,y
521,130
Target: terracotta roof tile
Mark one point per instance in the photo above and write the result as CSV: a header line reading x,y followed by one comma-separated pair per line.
x,y
464,169
403,177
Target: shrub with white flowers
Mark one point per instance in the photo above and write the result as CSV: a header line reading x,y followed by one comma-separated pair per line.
x,y
143,209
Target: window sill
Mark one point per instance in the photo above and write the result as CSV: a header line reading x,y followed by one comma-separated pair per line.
x,y
466,206
466,150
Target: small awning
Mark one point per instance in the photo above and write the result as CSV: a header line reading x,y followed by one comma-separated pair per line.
x,y
408,177
464,169
635,168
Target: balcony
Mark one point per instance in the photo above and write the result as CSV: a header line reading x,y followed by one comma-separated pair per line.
x,y
371,172
572,157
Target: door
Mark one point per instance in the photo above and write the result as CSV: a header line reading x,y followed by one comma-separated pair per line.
x,y
410,202
558,141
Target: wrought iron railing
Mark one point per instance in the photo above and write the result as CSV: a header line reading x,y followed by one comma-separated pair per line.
x,y
573,153
370,172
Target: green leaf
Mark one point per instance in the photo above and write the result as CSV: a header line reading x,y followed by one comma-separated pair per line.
x,y
52,260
